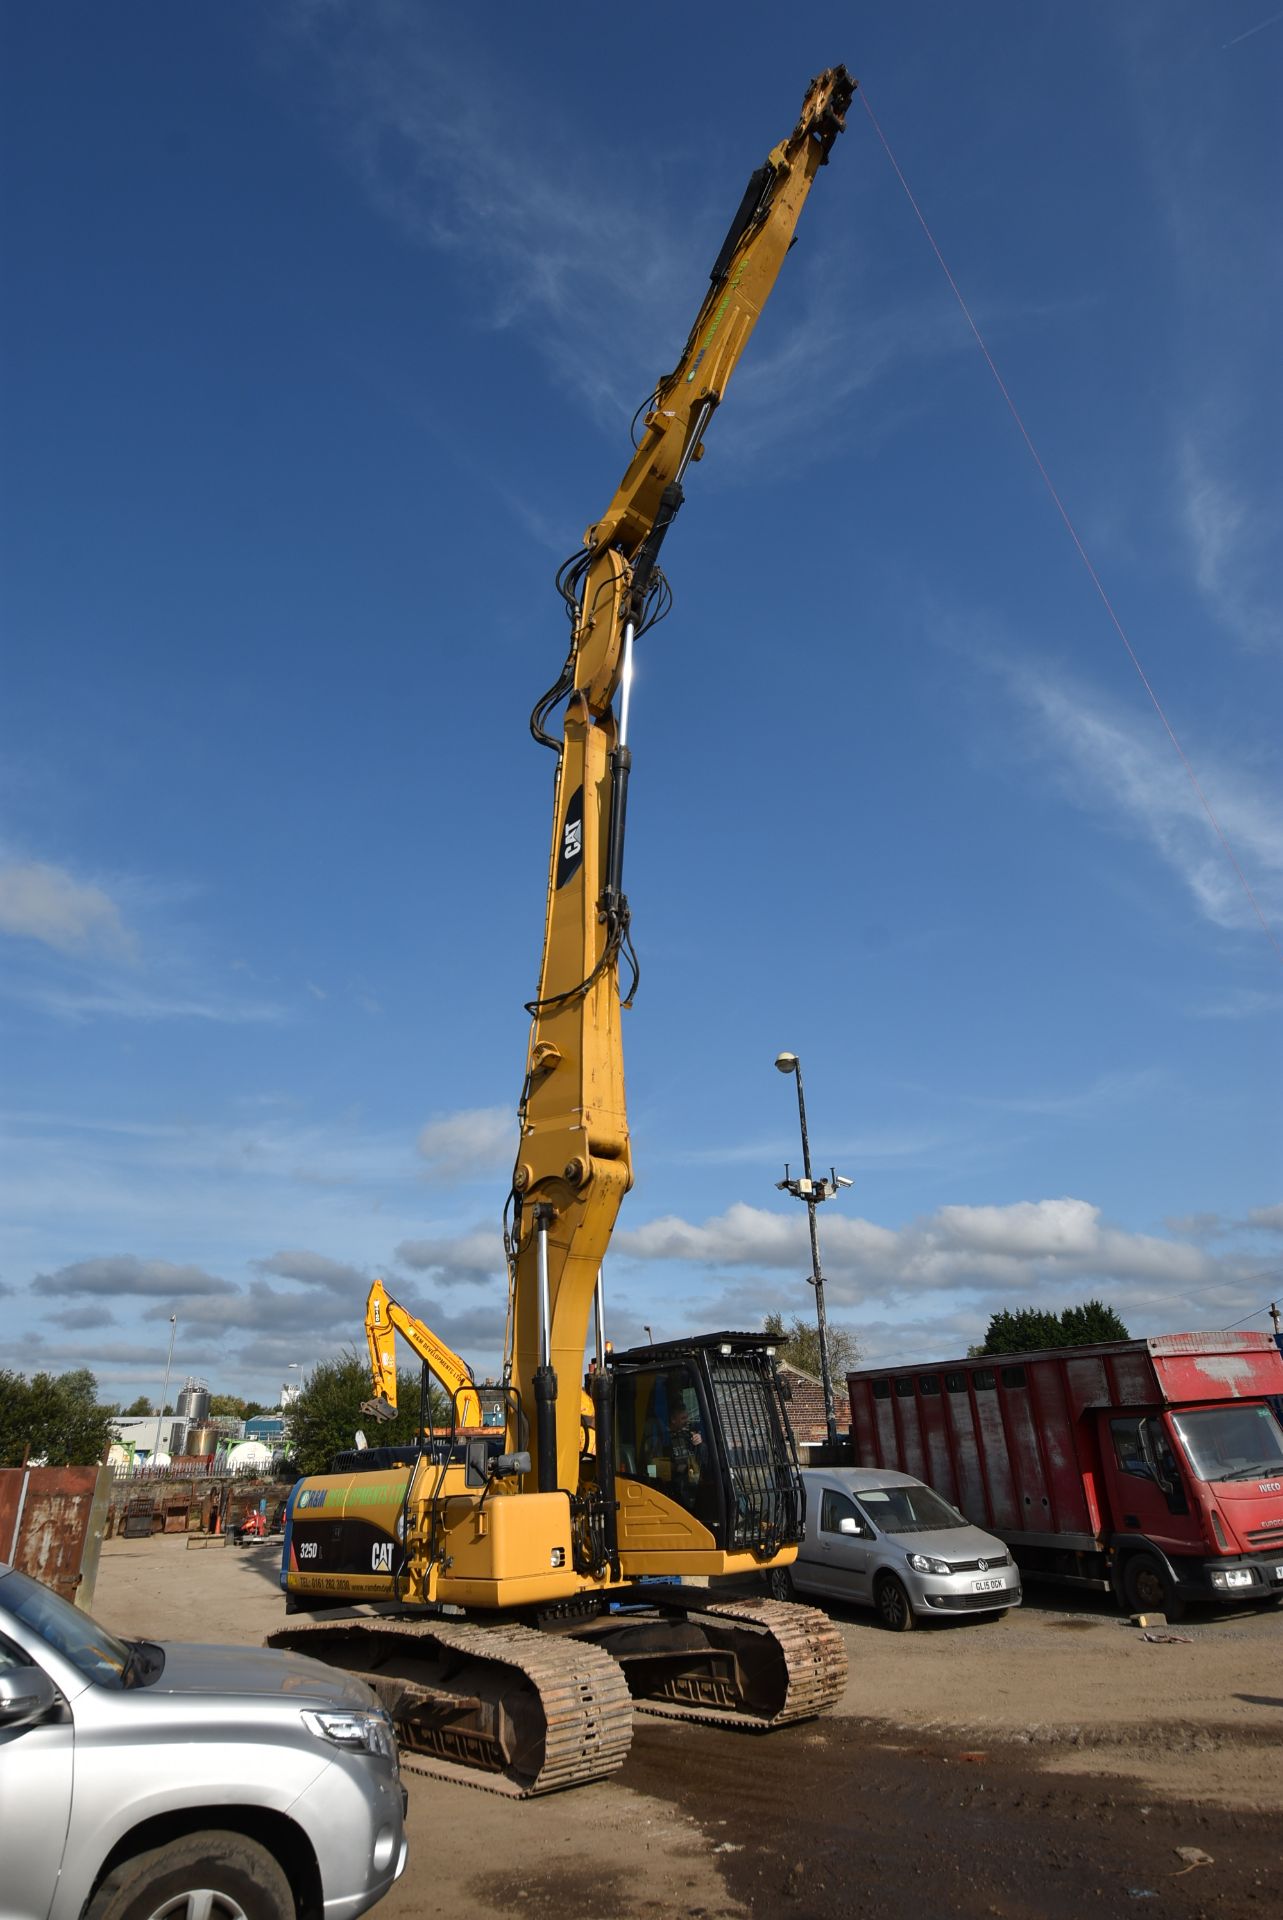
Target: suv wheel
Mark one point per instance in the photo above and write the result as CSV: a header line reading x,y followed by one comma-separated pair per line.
x,y
779,1584
203,1876
892,1603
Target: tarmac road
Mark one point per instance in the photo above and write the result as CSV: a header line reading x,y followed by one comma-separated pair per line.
x,y
1047,1765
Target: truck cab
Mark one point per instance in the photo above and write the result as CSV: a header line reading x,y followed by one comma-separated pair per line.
x,y
1202,1487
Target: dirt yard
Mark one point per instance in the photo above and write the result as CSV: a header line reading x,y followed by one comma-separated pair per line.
x,y
1051,1763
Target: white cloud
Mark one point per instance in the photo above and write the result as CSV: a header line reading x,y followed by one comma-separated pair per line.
x,y
1123,767
1233,542
476,1141
471,1256
44,903
315,1270
125,1275
1051,1251
1271,1218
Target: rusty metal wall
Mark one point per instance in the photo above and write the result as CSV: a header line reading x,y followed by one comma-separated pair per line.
x,y
52,1521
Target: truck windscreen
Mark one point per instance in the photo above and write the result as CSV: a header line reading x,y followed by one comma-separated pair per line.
x,y
1232,1443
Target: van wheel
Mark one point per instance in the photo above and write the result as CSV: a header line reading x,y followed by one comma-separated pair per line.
x,y
204,1876
1148,1588
892,1603
779,1584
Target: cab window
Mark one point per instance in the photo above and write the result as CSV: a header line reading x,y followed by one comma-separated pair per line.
x,y
1142,1448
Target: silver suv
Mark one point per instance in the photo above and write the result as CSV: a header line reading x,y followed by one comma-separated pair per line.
x,y
141,1782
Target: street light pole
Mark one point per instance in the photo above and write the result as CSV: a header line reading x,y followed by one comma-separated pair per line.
x,y
813,1191
164,1393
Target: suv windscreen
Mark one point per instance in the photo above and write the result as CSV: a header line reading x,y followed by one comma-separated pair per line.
x,y
908,1510
94,1652
1232,1443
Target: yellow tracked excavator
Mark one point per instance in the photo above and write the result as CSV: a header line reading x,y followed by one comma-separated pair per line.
x,y
532,1590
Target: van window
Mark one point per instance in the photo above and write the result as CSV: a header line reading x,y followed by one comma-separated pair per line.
x,y
835,1507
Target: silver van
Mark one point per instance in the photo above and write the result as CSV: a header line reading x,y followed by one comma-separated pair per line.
x,y
881,1539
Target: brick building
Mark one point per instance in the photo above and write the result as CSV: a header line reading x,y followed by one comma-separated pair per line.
x,y
806,1408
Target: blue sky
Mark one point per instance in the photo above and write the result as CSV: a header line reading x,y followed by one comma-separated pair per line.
x,y
324,327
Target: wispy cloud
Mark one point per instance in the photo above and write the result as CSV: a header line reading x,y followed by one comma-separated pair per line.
x,y
47,904
475,1142
1121,767
600,268
1233,542
1242,1003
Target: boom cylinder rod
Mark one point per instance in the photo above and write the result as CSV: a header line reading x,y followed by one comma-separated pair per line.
x,y
599,1319
545,1375
626,680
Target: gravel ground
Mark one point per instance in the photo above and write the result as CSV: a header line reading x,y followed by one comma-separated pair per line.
x,y
1048,1763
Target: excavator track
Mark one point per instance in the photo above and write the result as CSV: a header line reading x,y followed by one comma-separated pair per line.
x,y
752,1665
504,1708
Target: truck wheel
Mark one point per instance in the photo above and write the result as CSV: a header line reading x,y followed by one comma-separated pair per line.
x,y
779,1584
1148,1587
892,1603
204,1876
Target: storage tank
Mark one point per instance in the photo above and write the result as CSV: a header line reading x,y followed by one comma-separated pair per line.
x,y
201,1441
192,1404
249,1456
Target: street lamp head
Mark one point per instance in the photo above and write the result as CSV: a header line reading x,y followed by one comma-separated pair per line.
x,y
786,1062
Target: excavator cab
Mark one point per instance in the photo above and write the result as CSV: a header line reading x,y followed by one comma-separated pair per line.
x,y
701,1423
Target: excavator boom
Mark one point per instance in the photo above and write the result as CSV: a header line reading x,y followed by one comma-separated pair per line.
x,y
574,1162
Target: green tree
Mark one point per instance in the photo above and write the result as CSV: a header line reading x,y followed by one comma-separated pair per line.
x,y
799,1345
324,1419
15,1417
1034,1330
139,1408
54,1418
226,1406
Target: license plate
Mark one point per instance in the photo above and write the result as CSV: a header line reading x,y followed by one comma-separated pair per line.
x,y
987,1586
1278,1573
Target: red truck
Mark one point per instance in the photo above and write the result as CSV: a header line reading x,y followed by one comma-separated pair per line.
x,y
1150,1467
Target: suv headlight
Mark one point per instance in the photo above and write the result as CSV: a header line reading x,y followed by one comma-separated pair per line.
x,y
927,1563
357,1733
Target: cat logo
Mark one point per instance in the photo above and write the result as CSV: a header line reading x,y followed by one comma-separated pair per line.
x,y
381,1556
574,841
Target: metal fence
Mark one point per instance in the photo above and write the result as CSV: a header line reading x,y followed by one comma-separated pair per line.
x,y
213,1469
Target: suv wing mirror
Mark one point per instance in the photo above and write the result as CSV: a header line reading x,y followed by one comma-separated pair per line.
x,y
26,1695
850,1526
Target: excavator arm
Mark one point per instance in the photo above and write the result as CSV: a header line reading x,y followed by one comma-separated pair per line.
x,y
573,1160
384,1319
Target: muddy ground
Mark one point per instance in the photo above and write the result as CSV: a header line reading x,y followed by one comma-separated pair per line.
x,y
1050,1764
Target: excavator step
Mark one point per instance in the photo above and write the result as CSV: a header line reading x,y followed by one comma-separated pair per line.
x,y
504,1708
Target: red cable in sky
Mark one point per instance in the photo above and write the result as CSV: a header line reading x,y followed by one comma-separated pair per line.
x,y
1073,532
